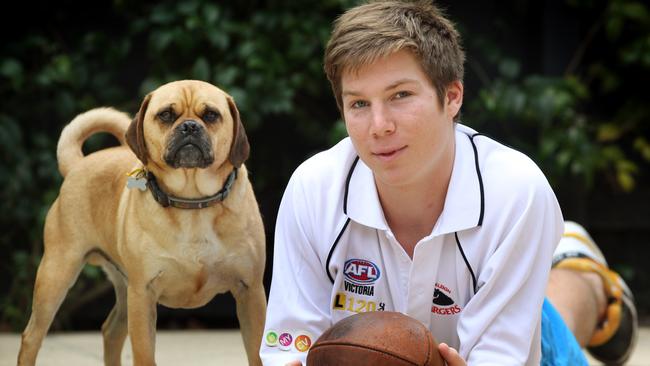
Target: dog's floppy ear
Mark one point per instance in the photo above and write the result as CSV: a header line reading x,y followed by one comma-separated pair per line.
x,y
240,148
135,133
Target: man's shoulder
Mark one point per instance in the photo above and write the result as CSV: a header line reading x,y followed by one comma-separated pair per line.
x,y
512,183
505,170
497,159
316,188
328,165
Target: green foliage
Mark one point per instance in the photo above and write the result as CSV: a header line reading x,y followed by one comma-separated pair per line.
x,y
268,59
589,123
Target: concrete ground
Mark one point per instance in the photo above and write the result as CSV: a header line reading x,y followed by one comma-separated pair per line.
x,y
173,348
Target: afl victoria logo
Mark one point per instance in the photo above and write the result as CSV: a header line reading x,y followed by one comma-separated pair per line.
x,y
361,271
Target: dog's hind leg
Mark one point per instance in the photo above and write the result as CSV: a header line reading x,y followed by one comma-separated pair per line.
x,y
56,273
114,329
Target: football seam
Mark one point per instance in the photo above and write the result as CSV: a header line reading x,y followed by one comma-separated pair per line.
x,y
426,360
368,348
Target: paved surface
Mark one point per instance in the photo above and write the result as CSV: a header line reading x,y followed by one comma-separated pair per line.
x,y
173,348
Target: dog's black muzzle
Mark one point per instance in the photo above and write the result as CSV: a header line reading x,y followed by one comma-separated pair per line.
x,y
189,146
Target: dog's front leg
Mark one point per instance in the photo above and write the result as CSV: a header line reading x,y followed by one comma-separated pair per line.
x,y
251,310
141,303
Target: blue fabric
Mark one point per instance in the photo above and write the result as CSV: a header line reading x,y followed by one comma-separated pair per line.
x,y
559,346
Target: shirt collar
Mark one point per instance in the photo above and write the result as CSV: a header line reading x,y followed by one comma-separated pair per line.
x,y
463,205
363,204
464,202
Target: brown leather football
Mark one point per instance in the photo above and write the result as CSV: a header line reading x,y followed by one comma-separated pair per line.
x,y
376,338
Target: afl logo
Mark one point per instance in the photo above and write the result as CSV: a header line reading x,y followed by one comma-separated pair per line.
x,y
361,271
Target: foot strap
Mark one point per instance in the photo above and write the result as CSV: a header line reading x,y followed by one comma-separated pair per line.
x,y
613,290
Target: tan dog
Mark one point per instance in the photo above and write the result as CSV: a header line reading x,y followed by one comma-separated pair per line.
x,y
189,138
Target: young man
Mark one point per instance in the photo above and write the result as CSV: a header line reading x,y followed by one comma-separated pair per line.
x,y
417,213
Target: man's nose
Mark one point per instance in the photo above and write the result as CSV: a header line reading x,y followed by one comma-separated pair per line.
x,y
382,121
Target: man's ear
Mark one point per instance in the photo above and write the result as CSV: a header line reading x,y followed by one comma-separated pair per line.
x,y
240,148
454,98
135,133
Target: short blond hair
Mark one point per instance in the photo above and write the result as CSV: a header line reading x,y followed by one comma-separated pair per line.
x,y
377,29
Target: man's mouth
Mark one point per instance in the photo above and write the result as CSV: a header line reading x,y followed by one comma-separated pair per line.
x,y
388,153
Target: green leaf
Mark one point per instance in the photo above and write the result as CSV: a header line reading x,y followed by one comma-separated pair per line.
x,y
563,158
187,7
220,40
608,132
625,180
12,69
614,27
634,10
225,76
201,69
509,68
642,145
211,13
160,40
162,15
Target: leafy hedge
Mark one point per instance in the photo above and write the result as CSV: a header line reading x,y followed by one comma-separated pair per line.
x,y
589,122
268,58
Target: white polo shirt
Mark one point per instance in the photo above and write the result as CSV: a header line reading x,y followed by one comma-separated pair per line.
x,y
477,281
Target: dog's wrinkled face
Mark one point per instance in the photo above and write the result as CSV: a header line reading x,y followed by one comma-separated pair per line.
x,y
188,124
188,143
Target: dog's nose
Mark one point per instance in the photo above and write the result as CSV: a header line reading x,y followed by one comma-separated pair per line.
x,y
189,127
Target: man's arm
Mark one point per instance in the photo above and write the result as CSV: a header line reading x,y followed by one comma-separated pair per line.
x,y
501,323
300,290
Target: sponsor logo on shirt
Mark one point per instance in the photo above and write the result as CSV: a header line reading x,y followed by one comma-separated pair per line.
x,y
360,276
359,289
343,301
361,271
443,303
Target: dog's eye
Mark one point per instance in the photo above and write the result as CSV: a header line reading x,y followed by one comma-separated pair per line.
x,y
167,116
211,116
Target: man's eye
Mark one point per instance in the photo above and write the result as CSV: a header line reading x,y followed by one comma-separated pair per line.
x,y
211,116
359,104
167,116
402,94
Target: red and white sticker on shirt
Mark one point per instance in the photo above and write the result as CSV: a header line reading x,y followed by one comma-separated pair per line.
x,y
303,341
443,302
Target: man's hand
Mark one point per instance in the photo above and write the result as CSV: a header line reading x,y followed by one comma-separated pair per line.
x,y
450,355
293,363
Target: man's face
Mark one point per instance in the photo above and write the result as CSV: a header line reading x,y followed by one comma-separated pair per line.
x,y
395,120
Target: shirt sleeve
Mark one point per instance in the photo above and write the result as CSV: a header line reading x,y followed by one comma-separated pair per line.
x,y
300,289
500,325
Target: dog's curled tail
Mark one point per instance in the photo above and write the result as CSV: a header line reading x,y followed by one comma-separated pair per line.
x,y
68,150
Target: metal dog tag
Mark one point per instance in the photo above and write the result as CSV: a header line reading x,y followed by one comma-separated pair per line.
x,y
137,179
136,182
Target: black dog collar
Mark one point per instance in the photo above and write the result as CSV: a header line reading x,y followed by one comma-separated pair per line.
x,y
166,200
